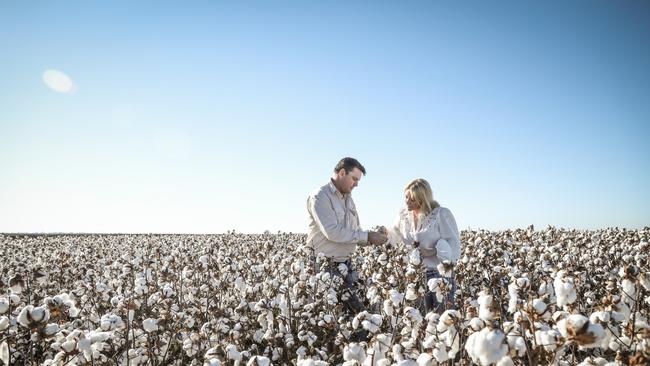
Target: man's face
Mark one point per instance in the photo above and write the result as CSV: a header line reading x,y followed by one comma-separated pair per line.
x,y
347,181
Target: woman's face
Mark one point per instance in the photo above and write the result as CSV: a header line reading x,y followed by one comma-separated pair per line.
x,y
411,203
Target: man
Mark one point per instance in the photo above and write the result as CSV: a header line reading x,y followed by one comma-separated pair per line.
x,y
334,223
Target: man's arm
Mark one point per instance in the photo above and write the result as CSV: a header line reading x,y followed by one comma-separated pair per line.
x,y
321,210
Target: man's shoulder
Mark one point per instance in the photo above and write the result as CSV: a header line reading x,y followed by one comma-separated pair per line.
x,y
321,192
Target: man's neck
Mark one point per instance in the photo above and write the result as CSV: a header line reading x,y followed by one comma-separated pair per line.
x,y
337,186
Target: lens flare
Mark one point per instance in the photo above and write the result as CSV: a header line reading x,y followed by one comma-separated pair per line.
x,y
58,81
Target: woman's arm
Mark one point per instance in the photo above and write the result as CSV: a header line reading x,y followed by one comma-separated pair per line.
x,y
397,232
427,245
449,234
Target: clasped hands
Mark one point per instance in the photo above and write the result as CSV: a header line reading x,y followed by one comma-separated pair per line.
x,y
378,237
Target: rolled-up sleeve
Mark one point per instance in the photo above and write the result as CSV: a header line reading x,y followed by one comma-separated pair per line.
x,y
324,215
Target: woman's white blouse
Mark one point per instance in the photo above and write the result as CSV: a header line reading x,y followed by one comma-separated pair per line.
x,y
438,230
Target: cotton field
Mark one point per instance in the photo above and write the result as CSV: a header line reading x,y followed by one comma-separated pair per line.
x,y
524,297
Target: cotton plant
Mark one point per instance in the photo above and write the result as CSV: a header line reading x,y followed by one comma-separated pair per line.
x,y
283,310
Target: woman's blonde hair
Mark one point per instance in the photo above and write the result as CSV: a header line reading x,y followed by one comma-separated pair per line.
x,y
422,194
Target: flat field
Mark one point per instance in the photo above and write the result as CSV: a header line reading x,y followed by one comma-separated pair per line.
x,y
523,297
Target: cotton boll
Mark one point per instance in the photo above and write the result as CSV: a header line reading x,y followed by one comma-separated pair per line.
x,y
430,341
411,292
445,267
620,311
4,353
48,331
203,260
425,359
372,323
4,305
412,316
407,362
447,319
388,308
476,324
628,291
600,317
382,259
505,361
68,346
644,280
593,361
16,284
414,257
354,352
440,353
513,297
258,361
83,345
577,328
539,306
486,308
564,289
306,362
168,291
470,346
372,293
489,346
31,316
517,345
356,321
110,322
39,314
396,297
150,325
4,323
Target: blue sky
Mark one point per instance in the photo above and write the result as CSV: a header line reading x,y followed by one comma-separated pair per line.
x,y
203,117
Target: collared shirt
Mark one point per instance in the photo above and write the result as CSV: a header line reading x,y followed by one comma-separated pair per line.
x,y
333,223
437,230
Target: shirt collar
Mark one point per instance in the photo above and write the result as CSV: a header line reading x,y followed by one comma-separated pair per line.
x,y
334,190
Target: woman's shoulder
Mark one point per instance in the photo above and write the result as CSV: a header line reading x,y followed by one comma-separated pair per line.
x,y
442,211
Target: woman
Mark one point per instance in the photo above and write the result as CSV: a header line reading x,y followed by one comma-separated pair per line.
x,y
424,224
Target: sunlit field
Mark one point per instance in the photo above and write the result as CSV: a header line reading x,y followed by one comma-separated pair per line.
x,y
524,297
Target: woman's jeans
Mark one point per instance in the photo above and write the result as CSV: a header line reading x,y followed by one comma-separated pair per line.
x,y
431,302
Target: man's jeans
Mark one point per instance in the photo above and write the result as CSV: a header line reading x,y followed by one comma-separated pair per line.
x,y
352,305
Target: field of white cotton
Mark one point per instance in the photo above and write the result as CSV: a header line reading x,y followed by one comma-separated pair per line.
x,y
523,297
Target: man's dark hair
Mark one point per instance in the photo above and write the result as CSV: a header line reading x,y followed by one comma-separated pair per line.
x,y
348,164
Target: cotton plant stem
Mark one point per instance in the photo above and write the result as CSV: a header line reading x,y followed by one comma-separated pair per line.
x,y
531,360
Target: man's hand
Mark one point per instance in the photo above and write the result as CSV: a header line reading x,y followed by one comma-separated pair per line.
x,y
376,238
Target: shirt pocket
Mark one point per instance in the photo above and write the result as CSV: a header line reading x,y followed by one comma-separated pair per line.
x,y
340,216
353,214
